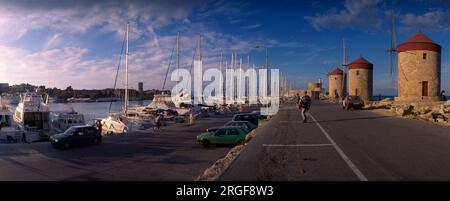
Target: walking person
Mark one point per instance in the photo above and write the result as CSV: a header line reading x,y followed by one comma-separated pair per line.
x,y
24,138
305,104
99,126
158,121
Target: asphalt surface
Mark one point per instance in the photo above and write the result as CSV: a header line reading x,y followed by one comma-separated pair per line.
x,y
170,154
344,145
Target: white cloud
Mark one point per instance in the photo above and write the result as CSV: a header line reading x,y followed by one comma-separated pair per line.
x,y
432,21
19,17
52,41
356,14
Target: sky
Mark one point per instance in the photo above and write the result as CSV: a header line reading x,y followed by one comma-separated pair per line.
x,y
78,43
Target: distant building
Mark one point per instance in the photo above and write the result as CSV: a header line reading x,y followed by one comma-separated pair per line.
x,y
4,87
141,90
336,83
360,79
315,89
419,69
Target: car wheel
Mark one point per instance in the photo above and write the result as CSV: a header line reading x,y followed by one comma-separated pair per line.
x,y
205,143
239,142
66,145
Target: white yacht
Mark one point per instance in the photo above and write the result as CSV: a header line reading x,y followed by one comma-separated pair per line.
x,y
162,101
61,121
32,116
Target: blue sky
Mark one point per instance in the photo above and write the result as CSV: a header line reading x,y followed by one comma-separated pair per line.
x,y
62,43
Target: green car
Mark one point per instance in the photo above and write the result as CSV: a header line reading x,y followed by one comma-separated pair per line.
x,y
231,135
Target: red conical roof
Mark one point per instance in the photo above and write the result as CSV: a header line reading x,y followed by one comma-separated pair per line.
x,y
360,63
337,71
419,42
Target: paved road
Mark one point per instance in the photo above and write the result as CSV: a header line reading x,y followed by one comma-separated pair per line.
x,y
344,145
172,154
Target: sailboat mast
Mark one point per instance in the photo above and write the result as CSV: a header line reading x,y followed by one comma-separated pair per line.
x,y
200,48
247,87
227,93
234,77
126,71
242,89
178,50
178,59
220,78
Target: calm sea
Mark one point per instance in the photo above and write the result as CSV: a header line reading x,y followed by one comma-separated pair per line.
x,y
377,98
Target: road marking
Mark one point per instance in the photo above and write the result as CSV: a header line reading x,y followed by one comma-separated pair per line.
x,y
352,166
296,145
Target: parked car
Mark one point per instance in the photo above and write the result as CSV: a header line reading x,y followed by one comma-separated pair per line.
x,y
223,136
245,124
250,117
259,115
214,129
354,102
76,136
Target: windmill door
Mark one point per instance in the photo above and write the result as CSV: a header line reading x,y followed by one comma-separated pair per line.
x,y
425,88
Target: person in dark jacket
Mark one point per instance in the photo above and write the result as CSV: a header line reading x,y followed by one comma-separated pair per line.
x,y
99,126
24,137
305,104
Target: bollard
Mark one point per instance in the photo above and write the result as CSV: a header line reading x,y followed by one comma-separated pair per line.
x,y
191,119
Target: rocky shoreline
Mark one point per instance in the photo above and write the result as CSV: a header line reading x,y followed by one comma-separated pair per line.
x,y
438,112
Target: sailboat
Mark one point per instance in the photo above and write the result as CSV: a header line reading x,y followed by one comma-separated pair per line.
x,y
166,102
114,122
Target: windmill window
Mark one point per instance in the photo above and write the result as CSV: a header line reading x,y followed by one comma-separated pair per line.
x,y
335,79
424,55
357,72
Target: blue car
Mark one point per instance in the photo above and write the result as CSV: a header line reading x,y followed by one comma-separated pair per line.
x,y
76,136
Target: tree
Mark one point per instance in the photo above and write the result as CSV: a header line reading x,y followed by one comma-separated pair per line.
x,y
69,89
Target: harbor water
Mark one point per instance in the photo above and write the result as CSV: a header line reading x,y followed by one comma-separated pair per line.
x,y
92,110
